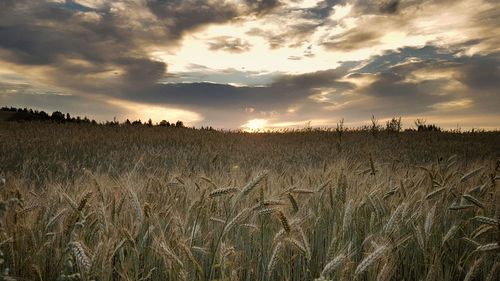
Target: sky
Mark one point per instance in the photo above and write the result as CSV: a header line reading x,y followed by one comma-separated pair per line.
x,y
255,64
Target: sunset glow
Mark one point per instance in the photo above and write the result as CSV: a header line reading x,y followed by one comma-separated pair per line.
x,y
255,125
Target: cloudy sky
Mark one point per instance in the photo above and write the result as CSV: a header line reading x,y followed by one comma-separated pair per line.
x,y
243,64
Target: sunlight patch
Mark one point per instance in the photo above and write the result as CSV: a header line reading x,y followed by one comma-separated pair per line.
x,y
255,125
452,105
157,113
341,12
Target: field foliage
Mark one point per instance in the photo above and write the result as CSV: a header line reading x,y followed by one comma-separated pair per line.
x,y
95,202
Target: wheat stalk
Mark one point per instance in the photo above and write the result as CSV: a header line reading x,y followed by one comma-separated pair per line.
x,y
474,269
347,216
435,193
393,219
274,258
295,206
250,186
470,174
222,191
473,200
135,204
80,255
84,200
237,219
386,272
333,264
284,222
488,247
429,220
369,260
486,220
451,232
305,241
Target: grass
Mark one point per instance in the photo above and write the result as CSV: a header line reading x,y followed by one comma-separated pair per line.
x,y
83,202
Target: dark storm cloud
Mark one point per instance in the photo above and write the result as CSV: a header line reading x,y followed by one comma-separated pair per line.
x,y
480,72
477,77
279,95
325,78
390,58
389,7
48,34
475,72
368,7
102,51
414,96
229,44
263,6
180,16
111,41
143,71
381,6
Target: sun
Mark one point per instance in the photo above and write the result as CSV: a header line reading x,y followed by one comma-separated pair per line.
x,y
255,125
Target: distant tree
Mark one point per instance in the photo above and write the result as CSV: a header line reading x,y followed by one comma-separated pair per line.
x,y
179,124
419,122
43,115
127,122
150,122
375,127
137,122
422,127
394,125
164,123
57,116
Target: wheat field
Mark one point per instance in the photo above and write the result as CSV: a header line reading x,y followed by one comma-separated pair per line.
x,y
94,202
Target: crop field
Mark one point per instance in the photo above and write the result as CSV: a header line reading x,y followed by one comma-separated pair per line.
x,y
95,202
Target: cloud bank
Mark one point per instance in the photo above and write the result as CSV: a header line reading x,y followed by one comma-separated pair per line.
x,y
226,62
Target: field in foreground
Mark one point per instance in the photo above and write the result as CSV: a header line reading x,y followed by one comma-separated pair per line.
x,y
83,202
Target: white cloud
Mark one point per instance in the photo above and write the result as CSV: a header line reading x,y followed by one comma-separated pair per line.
x,y
452,105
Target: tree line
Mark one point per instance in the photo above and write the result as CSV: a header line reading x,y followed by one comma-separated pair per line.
x,y
25,114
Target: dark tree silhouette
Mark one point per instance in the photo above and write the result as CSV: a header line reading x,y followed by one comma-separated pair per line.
x,y
58,117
